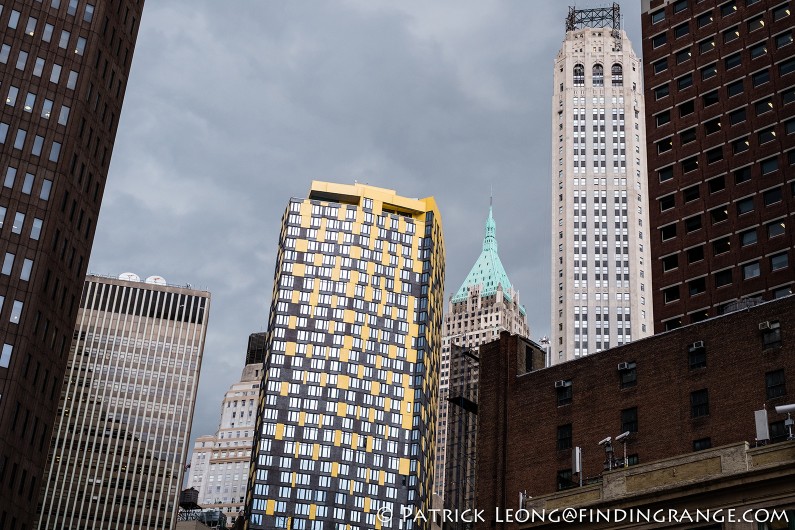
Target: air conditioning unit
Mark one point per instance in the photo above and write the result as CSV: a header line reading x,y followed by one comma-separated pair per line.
x,y
560,384
623,366
764,325
697,345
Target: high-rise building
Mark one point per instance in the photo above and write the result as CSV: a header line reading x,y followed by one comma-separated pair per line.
x,y
485,304
220,462
720,87
600,231
63,73
120,443
255,352
347,414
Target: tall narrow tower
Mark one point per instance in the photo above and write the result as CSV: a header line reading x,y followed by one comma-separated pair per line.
x,y
600,254
347,410
485,305
63,72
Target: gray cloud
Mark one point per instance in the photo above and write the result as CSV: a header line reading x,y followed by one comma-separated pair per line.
x,y
233,107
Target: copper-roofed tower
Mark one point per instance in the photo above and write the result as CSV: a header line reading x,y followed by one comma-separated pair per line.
x,y
63,72
484,305
601,282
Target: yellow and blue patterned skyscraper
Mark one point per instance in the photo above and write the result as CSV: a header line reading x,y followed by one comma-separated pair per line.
x,y
346,419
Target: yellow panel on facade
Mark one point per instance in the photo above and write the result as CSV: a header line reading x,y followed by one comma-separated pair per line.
x,y
301,244
342,383
285,387
279,431
315,451
301,418
270,506
403,468
335,469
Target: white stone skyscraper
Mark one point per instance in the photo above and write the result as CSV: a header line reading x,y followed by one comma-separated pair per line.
x,y
601,270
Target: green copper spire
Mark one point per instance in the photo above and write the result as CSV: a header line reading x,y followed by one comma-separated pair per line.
x,y
488,270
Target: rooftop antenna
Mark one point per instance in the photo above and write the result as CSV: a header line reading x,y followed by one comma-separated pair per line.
x,y
789,422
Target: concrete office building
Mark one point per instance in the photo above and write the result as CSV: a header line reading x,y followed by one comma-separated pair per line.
x,y
347,414
600,232
720,92
220,462
121,436
699,388
63,72
485,304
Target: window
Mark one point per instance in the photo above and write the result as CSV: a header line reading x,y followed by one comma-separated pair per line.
x,y
598,77
46,187
27,185
55,73
723,278
564,392
786,67
735,88
721,246
737,116
658,16
628,375
708,72
55,152
680,6
80,47
681,30
784,39
732,61
760,78
72,7
683,56
748,237
670,262
659,66
756,23
63,42
697,355
763,106
701,444
35,229
690,164
756,51
71,83
740,145
691,194
717,184
16,312
706,46
5,355
661,91
19,220
684,82
564,437
671,294
667,202
751,270
772,196
629,420
8,263
712,126
771,333
579,75
715,155
776,229
27,266
742,175
664,145
745,206
779,261
668,232
719,214
704,19
697,286
729,8
710,98
695,254
731,34
769,166
662,118
780,12
775,384
658,40
666,173
693,223
88,14
617,74
699,403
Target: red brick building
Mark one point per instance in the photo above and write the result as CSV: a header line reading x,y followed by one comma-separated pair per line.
x,y
719,80
689,389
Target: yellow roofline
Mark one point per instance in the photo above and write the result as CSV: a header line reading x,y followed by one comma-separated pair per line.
x,y
389,199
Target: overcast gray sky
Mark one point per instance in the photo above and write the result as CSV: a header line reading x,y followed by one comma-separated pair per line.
x,y
235,106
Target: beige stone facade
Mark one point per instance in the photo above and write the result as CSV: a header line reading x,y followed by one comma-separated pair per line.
x,y
601,274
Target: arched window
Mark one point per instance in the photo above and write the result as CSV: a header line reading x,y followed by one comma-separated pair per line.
x,y
618,75
579,75
598,78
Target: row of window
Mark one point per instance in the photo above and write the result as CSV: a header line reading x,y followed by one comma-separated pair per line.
x,y
53,153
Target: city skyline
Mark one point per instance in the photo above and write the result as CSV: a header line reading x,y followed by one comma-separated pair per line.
x,y
485,75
